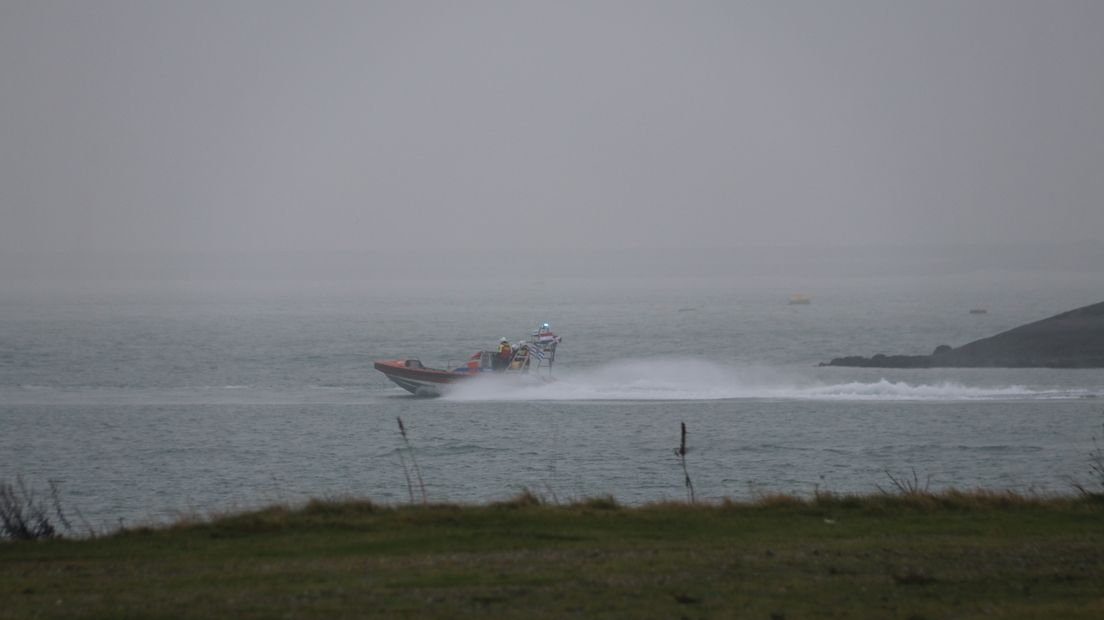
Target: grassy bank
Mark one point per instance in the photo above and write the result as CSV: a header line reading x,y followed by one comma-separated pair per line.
x,y
915,555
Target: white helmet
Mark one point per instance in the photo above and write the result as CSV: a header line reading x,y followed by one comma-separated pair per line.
x,y
502,339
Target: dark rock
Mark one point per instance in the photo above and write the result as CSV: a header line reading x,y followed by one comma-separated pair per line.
x,y
1073,339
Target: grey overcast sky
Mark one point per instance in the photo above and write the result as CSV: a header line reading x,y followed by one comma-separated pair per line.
x,y
241,126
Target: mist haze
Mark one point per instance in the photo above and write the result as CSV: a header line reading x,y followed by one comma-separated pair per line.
x,y
202,139
229,229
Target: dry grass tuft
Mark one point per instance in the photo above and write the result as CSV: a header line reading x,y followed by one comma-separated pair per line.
x,y
25,516
340,507
353,512
605,502
525,499
925,501
779,500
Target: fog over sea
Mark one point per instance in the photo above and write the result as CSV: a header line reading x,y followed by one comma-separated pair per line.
x,y
147,400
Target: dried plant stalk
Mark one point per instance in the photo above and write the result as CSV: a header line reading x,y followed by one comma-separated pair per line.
x,y
417,470
681,453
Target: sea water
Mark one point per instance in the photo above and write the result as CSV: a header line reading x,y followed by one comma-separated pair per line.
x,y
149,400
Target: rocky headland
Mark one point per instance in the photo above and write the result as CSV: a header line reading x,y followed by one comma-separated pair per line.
x,y
1073,339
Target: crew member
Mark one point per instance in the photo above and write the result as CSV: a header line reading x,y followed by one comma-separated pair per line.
x,y
505,352
522,357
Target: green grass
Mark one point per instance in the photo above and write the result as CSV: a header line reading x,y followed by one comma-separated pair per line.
x,y
916,555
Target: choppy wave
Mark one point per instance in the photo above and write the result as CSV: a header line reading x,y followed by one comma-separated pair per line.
x,y
700,380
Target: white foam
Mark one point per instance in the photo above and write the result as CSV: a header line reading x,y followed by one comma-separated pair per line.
x,y
700,380
884,389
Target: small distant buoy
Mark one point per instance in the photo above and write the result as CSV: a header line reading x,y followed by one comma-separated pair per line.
x,y
978,311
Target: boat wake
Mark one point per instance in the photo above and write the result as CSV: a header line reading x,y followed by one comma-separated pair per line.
x,y
700,380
